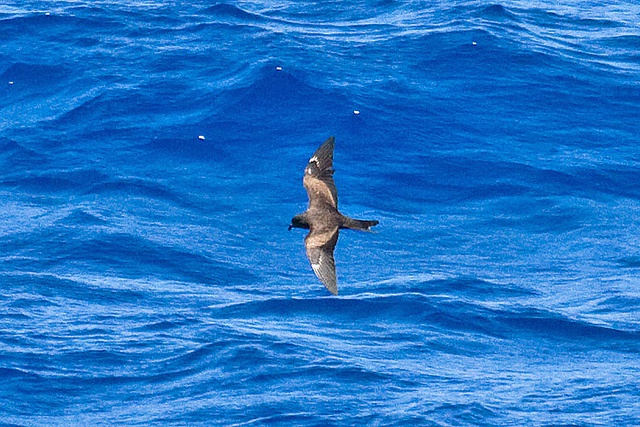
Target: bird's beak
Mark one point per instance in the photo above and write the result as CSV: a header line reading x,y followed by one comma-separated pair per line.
x,y
290,227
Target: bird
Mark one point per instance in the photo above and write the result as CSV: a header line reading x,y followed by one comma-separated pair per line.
x,y
322,218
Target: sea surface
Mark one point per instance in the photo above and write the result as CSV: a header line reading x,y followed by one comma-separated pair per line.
x,y
151,158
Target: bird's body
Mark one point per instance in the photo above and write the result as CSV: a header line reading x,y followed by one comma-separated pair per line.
x,y
322,218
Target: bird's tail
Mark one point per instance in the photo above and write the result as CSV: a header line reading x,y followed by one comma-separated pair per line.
x,y
358,224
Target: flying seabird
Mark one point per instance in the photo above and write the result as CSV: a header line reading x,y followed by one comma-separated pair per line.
x,y
322,218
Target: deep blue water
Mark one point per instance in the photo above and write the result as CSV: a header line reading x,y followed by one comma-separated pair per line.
x,y
147,276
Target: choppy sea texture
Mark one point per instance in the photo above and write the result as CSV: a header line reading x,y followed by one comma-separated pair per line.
x,y
151,156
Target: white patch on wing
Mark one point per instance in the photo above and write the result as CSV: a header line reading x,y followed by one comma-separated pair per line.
x,y
317,267
314,159
318,264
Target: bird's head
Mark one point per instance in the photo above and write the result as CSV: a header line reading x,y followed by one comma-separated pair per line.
x,y
299,221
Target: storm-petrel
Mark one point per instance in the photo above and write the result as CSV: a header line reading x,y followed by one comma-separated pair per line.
x,y
322,218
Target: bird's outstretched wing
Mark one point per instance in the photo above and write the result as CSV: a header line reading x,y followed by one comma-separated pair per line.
x,y
318,176
320,246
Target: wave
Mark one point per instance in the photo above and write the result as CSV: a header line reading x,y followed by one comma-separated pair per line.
x,y
15,156
55,181
497,12
133,186
36,76
235,13
463,311
129,255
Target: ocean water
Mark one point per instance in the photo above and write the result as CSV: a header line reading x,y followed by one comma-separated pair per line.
x,y
151,157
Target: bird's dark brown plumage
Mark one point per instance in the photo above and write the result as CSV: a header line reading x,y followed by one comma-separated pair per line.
x,y
322,217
